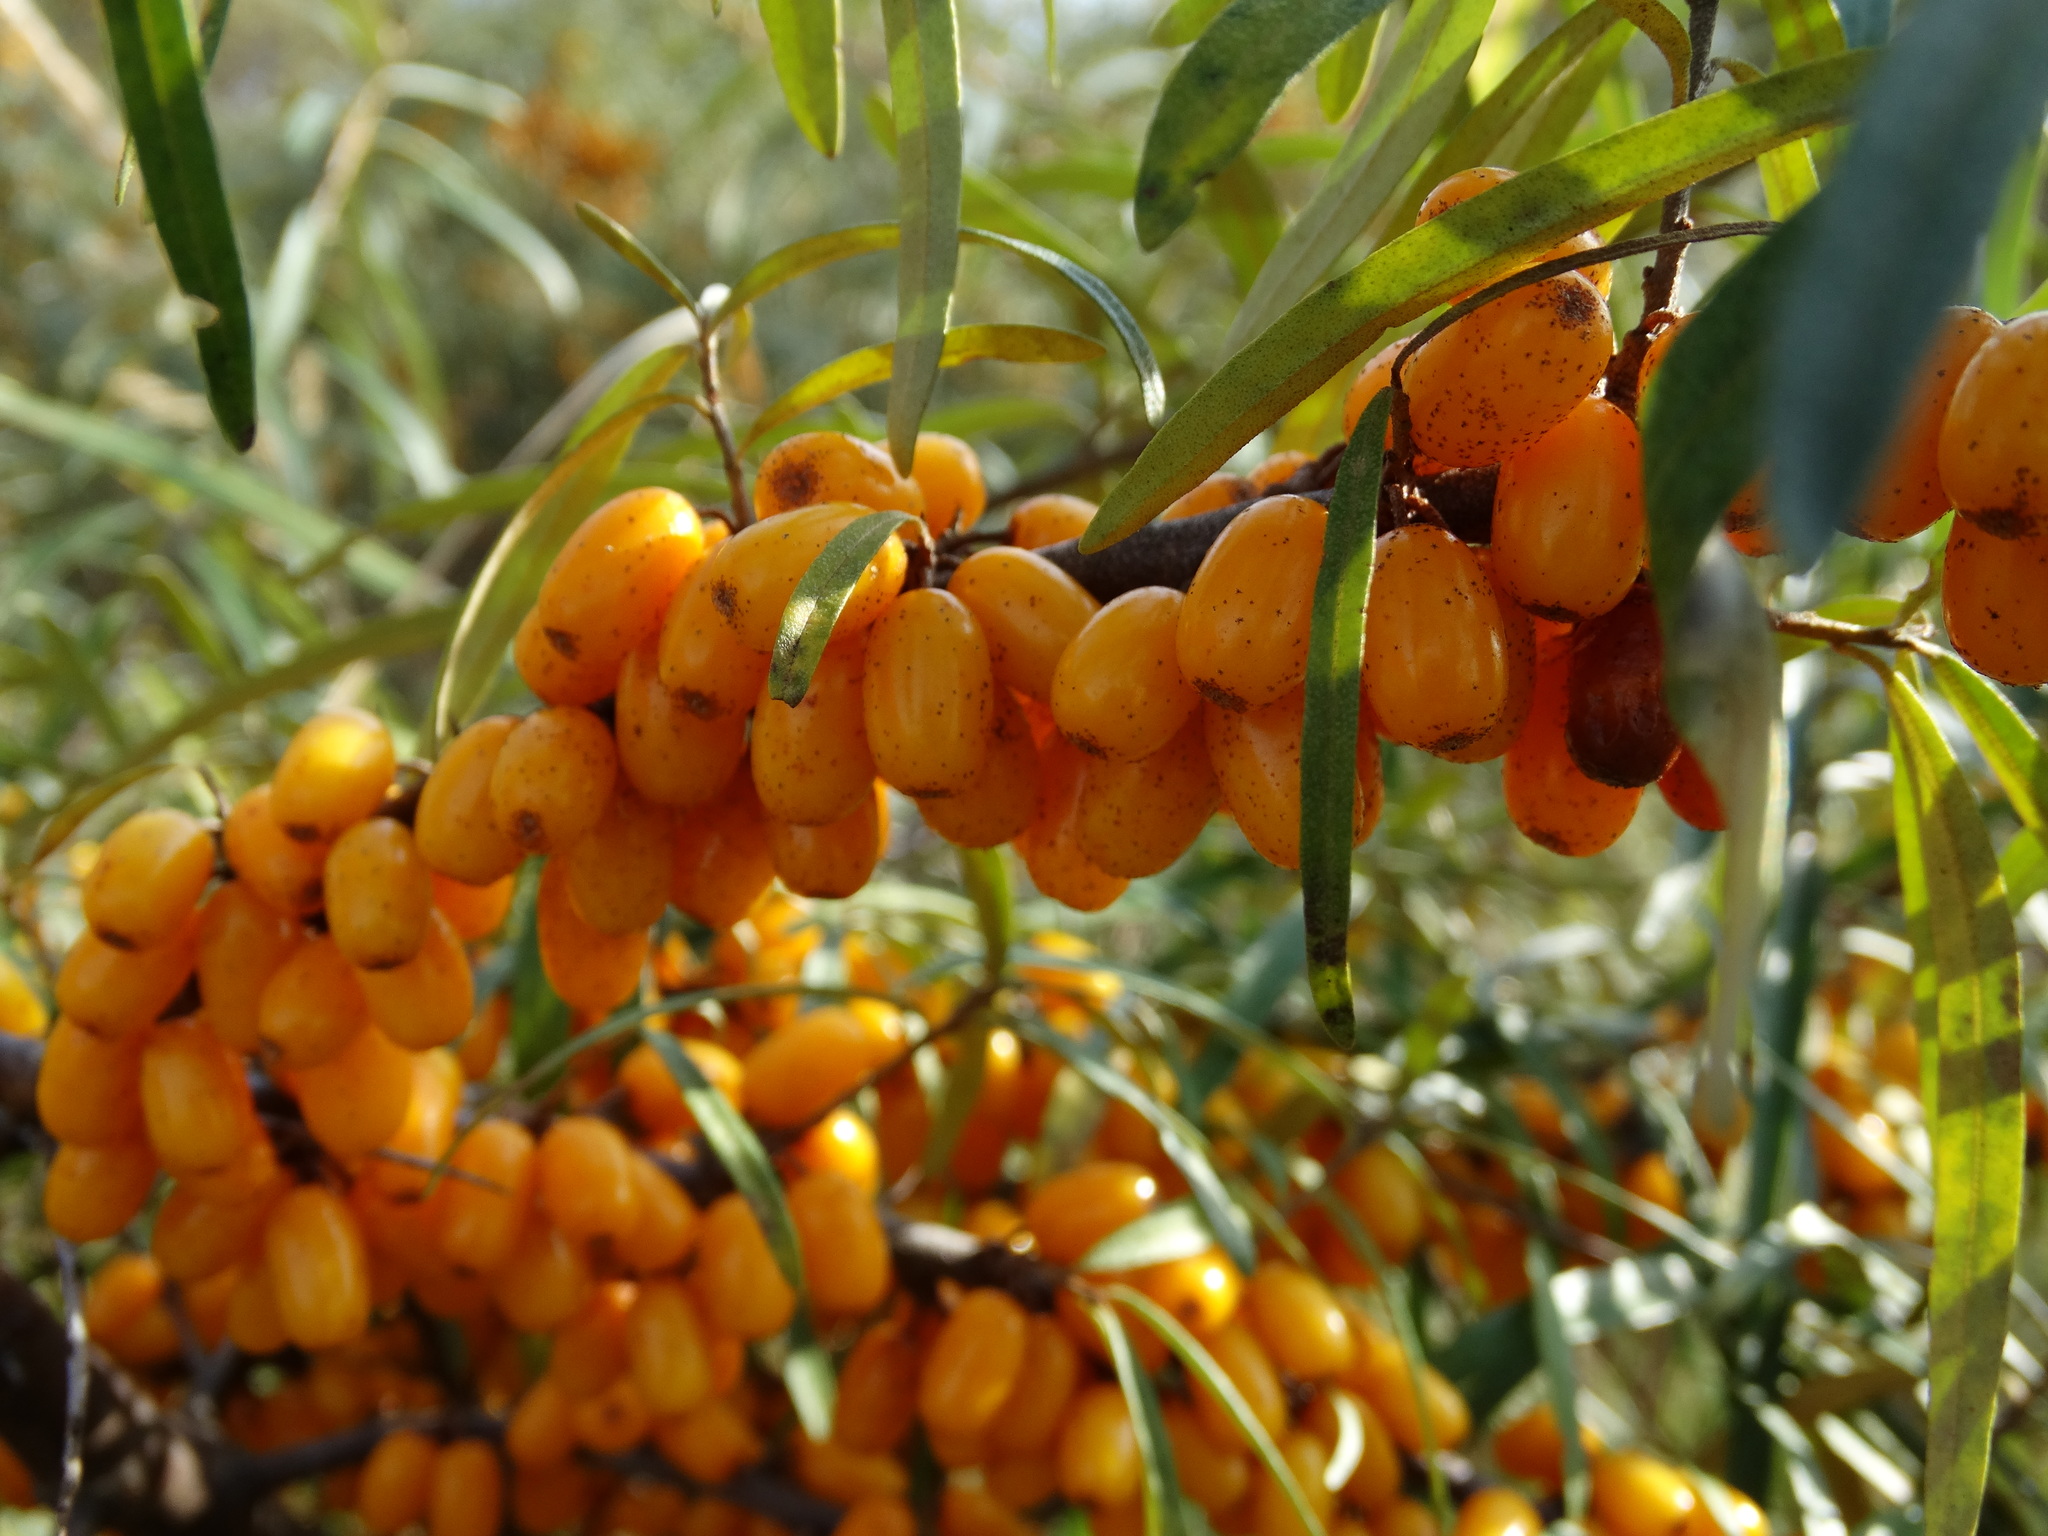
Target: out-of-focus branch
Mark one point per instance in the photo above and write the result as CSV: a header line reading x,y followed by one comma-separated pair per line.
x,y
78,93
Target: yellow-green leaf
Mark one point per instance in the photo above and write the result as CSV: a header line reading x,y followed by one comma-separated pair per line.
x,y
924,88
803,39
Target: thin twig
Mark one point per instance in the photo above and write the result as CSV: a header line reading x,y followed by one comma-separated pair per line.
x,y
713,408
1835,632
77,1383
1089,460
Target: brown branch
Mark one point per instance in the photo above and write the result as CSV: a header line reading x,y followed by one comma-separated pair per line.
x,y
1814,626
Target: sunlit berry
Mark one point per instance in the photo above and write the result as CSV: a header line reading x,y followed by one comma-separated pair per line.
x,y
195,1099
1001,799
812,468
1029,611
312,1005
242,943
456,824
1051,519
722,862
113,991
846,1252
973,1363
610,585
334,772
379,894
1119,692
149,876
1992,460
552,778
284,872
318,1267
738,1282
835,859
1242,639
1568,528
928,694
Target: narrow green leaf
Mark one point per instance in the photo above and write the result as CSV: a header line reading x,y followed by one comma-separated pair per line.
x,y
1341,71
1789,177
1329,724
1650,18
1201,1366
188,613
956,1104
820,597
2002,734
1790,968
1407,106
2009,247
1473,243
1554,1350
1892,241
924,85
628,245
2024,868
1701,419
736,1146
1220,92
1972,1083
1564,107
504,589
1172,1231
1165,1515
161,93
1241,212
803,39
1182,22
1804,30
539,1022
800,257
963,344
1185,1146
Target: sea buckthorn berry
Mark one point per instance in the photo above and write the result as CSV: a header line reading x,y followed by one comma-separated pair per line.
x,y
1202,1290
334,772
1031,1415
651,1091
1905,493
1137,818
588,1353
456,826
1376,1481
609,587
481,1043
149,876
1278,467
478,1219
1379,1372
397,1479
1568,529
1844,1163
710,1443
1051,845
877,1391
1518,648
88,1087
253,1323
1050,519
1272,1512
112,991
242,943
554,1498
1250,1369
965,1510
1635,1494
1549,798
1257,759
813,468
119,1293
1691,794
193,1238
973,1363
753,574
1532,1447
312,1005
739,1284
927,694
1298,1321
1242,639
318,1268
1029,611
1460,185
252,1174
1001,800
553,677
878,1514
379,894
836,859
712,673
1616,725
585,1172
357,1098
591,971
468,1493
810,760
22,1013
539,1432
1220,490
1990,601
93,1192
668,753
1994,465
474,911
1498,1512
1071,1212
1436,670
948,472
545,1282
1405,1517
664,1229
722,861
283,872
846,1252
1498,379
1098,1448
1118,692
618,872
811,1063
195,1100
552,778
1749,1520
1384,1194
1215,1475
833,1472
425,1134
841,1143
426,1001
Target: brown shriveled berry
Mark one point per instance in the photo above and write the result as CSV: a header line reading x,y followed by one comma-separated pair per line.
x,y
1548,797
1616,725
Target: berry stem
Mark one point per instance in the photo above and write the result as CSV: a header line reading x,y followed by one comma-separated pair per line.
x,y
714,412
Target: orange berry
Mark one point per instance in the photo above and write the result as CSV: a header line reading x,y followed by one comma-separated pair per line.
x,y
617,873
88,1088
1548,796
664,1229
591,971
1990,601
1691,794
1244,1360
252,1174
554,677
1257,760
1118,692
1992,462
379,894
810,760
1386,1197
1376,375
479,1047
1137,818
584,1169
1242,639
974,1361
468,1493
667,1347
22,1013
753,574
253,1320
1498,1512
428,1127
878,1514
1001,800
478,1219
965,1510
319,1270
610,585
149,876
544,1283
1030,1417
1749,1520
1201,1290
119,1293
397,1479
712,1442
1052,519
711,671
927,694
1436,670
1379,1372
1459,185
474,911
1029,611
312,1005
113,991
1507,373
1272,1512
1295,1317
948,472
841,1143
667,753
195,1100
283,872
1220,490
812,468
194,1238
1215,1475
652,1094
539,1432
844,1476
846,1252
1405,1517
812,1062
836,859
334,772
1098,1448
877,1391
1905,493
1532,1447
241,945
722,861
1635,1494
1071,1212
1568,529
739,1284
612,1421
552,778
456,825
93,1192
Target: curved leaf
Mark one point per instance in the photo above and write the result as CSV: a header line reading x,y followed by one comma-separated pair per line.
x,y
924,86
1475,242
964,344
504,589
1329,725
1893,238
1182,22
803,39
2002,734
1165,1514
1650,18
1176,1230
628,245
820,597
1341,71
161,79
800,257
739,1150
1221,91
